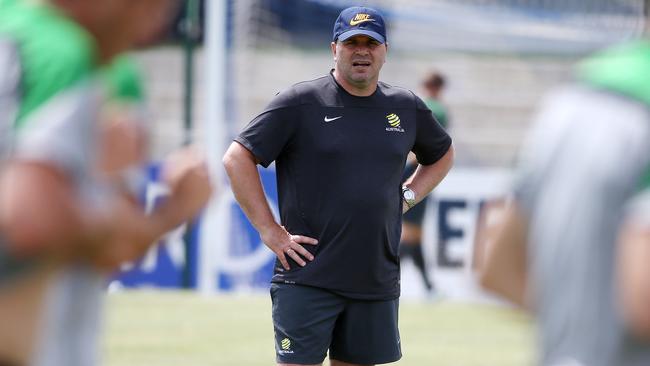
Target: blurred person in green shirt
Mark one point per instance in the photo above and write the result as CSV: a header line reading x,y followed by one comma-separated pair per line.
x,y
583,180
411,237
433,86
63,224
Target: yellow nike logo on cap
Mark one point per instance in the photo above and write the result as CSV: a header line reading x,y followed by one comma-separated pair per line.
x,y
361,18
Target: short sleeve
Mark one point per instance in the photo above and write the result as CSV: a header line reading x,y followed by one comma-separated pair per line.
x,y
62,132
9,93
269,134
55,53
431,140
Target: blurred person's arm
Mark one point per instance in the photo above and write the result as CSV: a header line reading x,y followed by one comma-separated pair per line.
x,y
505,269
241,166
186,174
40,207
40,212
427,177
489,218
633,276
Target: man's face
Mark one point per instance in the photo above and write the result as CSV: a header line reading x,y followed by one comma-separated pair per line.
x,y
358,60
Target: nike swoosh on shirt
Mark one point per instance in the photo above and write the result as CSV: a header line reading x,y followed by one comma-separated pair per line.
x,y
327,119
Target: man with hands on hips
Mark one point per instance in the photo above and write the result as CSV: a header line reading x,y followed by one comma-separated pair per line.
x,y
339,143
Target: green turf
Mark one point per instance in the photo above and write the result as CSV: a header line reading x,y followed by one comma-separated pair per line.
x,y
175,328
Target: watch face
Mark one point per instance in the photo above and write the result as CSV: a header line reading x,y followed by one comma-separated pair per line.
x,y
409,194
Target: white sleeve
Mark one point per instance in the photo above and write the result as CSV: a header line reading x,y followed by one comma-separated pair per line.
x,y
63,131
10,70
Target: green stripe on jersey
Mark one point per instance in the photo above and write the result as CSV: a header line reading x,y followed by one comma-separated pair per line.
x,y
623,69
55,53
123,80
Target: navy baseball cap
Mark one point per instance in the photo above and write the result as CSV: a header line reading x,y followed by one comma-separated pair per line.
x,y
359,20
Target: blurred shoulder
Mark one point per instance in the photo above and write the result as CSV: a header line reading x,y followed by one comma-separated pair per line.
x,y
55,52
42,31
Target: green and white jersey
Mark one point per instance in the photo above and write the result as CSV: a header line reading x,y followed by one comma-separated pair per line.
x,y
123,80
123,87
580,165
9,93
55,53
43,56
56,94
56,99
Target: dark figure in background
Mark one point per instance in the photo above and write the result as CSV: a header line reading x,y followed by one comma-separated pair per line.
x,y
411,239
433,86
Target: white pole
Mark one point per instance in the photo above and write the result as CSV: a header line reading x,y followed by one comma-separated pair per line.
x,y
215,140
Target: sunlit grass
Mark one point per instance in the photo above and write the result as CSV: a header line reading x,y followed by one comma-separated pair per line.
x,y
183,328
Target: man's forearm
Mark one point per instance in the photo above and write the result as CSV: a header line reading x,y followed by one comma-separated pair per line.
x,y
245,183
427,177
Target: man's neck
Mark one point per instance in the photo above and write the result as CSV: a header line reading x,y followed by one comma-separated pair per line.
x,y
108,41
357,91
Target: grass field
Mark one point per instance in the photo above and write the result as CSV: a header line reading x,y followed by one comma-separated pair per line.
x,y
178,328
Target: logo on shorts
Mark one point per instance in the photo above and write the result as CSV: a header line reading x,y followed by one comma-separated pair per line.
x,y
394,123
285,344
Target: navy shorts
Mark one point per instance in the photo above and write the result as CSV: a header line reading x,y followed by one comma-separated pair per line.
x,y
309,321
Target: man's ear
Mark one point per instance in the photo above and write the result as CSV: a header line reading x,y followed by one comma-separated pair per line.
x,y
386,58
333,48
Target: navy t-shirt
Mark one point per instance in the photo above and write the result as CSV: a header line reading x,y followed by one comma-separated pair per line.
x,y
339,162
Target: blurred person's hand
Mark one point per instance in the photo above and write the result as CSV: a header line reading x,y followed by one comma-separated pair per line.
x,y
122,142
186,174
134,232
132,235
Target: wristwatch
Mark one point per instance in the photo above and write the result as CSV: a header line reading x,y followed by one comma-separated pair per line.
x,y
408,195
